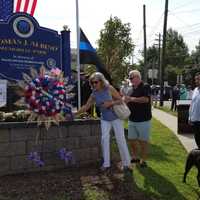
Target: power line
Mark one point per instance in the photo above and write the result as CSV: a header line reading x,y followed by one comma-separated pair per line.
x,y
154,30
179,19
138,38
189,26
186,11
192,32
183,5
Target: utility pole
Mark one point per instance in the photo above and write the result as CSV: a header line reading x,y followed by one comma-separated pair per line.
x,y
159,56
153,71
145,44
159,65
163,54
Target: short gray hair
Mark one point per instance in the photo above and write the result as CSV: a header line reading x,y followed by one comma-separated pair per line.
x,y
100,77
135,72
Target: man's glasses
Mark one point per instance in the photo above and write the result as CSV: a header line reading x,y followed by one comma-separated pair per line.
x,y
132,77
94,82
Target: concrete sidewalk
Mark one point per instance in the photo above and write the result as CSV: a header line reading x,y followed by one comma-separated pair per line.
x,y
170,121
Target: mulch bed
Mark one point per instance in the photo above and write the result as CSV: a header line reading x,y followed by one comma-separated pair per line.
x,y
70,185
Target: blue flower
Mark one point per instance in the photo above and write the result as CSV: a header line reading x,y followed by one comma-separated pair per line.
x,y
35,157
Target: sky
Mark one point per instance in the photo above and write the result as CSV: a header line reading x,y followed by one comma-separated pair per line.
x,y
183,16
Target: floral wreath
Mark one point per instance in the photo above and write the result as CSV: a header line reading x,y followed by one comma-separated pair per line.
x,y
47,96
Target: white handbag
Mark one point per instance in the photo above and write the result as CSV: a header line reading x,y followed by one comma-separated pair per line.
x,y
122,111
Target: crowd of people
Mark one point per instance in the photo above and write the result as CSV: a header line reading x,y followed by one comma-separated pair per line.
x,y
138,97
180,92
175,93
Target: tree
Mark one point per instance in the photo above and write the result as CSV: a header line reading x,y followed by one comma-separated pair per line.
x,y
193,67
115,46
176,55
152,61
195,56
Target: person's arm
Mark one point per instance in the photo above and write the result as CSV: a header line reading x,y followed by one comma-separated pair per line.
x,y
86,107
116,98
189,115
143,99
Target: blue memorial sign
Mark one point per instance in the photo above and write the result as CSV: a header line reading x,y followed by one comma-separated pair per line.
x,y
24,44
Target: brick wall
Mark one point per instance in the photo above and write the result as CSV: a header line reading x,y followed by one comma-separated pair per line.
x,y
17,140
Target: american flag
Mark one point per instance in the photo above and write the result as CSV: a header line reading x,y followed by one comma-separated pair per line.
x,y
27,6
7,7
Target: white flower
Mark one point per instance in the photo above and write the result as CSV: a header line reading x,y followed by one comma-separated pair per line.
x,y
32,97
43,108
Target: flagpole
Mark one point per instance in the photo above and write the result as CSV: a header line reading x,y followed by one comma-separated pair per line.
x,y
78,54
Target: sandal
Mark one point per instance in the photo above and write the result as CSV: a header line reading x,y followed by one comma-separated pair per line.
x,y
143,164
104,169
127,169
135,160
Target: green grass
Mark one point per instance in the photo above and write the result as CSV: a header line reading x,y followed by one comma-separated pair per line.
x,y
93,193
168,110
163,178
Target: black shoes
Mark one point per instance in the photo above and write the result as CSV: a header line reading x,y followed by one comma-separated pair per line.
x,y
127,170
106,170
135,160
143,164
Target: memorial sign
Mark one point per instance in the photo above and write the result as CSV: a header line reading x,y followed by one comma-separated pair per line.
x,y
24,44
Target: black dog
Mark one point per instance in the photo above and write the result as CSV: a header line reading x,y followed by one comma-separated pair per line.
x,y
193,159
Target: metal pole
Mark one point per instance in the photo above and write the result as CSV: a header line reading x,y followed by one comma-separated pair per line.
x,y
78,54
159,65
145,44
163,54
152,79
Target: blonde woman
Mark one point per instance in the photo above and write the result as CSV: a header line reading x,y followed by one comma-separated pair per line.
x,y
105,96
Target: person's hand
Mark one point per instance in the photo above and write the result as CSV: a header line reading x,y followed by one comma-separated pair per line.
x,y
190,123
126,99
107,104
76,114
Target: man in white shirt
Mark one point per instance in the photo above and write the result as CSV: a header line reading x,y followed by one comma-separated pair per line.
x,y
194,111
125,87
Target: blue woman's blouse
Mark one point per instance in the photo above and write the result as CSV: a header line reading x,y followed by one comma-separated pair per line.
x,y
101,96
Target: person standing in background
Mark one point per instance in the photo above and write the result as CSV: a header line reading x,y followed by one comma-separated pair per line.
x,y
183,92
189,93
139,123
125,87
155,95
194,110
175,97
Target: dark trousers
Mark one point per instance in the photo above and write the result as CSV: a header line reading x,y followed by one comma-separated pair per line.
x,y
173,105
196,128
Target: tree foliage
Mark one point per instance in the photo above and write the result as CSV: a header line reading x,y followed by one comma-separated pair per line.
x,y
115,46
177,55
176,49
195,56
176,58
193,67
